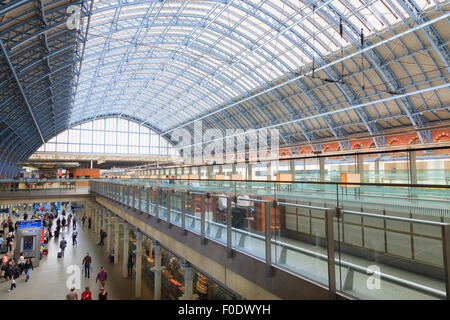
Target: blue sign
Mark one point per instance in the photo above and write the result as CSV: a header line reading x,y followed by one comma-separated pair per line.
x,y
22,224
58,206
4,210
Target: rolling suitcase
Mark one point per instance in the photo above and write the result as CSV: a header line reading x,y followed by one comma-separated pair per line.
x,y
59,254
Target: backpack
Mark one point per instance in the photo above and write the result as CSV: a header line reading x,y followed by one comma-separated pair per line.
x,y
16,272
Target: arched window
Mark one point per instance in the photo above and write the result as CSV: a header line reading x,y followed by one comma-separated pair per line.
x,y
111,136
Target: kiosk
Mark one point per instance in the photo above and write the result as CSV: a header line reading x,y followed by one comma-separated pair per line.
x,y
28,240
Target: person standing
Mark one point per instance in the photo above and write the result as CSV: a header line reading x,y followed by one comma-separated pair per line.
x,y
103,295
130,265
87,260
74,238
72,295
63,223
101,277
83,219
87,294
63,245
28,267
74,222
89,222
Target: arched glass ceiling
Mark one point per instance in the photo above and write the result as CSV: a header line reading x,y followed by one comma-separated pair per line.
x,y
166,62
110,136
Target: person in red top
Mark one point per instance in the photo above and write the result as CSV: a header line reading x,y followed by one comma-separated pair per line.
x,y
86,295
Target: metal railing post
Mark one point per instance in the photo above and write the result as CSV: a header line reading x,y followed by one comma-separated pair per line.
x,y
157,205
140,199
202,219
329,234
446,257
148,200
168,207
268,236
183,212
133,203
229,230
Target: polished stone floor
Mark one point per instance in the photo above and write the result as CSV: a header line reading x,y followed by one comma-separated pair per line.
x,y
48,281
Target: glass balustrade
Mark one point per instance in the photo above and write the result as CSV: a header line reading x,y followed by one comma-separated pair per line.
x,y
365,241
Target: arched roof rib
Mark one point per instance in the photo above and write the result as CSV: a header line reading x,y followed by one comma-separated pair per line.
x,y
233,64
37,65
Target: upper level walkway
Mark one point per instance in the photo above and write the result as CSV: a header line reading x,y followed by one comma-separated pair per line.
x,y
393,236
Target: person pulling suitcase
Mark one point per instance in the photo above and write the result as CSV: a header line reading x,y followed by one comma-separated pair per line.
x,y
63,245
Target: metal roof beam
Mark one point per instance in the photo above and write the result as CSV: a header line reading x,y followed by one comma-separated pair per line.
x,y
11,67
325,66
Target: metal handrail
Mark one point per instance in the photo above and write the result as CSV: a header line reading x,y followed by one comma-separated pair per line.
x,y
409,220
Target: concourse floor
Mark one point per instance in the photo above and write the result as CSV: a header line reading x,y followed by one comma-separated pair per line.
x,y
48,280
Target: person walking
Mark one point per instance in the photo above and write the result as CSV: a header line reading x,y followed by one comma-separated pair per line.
x,y
63,245
87,294
89,222
83,219
21,263
101,277
28,267
63,223
102,237
130,265
74,222
87,260
72,295
74,238
103,295
10,240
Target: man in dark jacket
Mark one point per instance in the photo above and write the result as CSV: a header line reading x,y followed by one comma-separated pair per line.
x,y
87,260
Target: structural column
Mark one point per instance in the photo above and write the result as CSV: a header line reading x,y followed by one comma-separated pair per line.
x,y
209,172
94,220
292,168
99,219
116,241
322,169
157,270
138,264
377,170
125,250
249,171
269,171
108,237
413,166
103,219
360,162
188,282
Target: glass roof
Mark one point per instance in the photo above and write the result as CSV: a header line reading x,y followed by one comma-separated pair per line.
x,y
166,62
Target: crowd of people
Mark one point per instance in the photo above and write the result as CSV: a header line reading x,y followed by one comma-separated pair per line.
x,y
59,222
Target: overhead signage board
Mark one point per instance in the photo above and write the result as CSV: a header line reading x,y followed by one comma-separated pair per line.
x,y
24,224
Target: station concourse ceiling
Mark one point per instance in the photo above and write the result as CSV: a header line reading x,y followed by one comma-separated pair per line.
x,y
312,69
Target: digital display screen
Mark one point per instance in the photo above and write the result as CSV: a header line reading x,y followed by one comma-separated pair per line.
x,y
28,243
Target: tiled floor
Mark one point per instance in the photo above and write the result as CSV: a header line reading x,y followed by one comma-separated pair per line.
x,y
48,281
